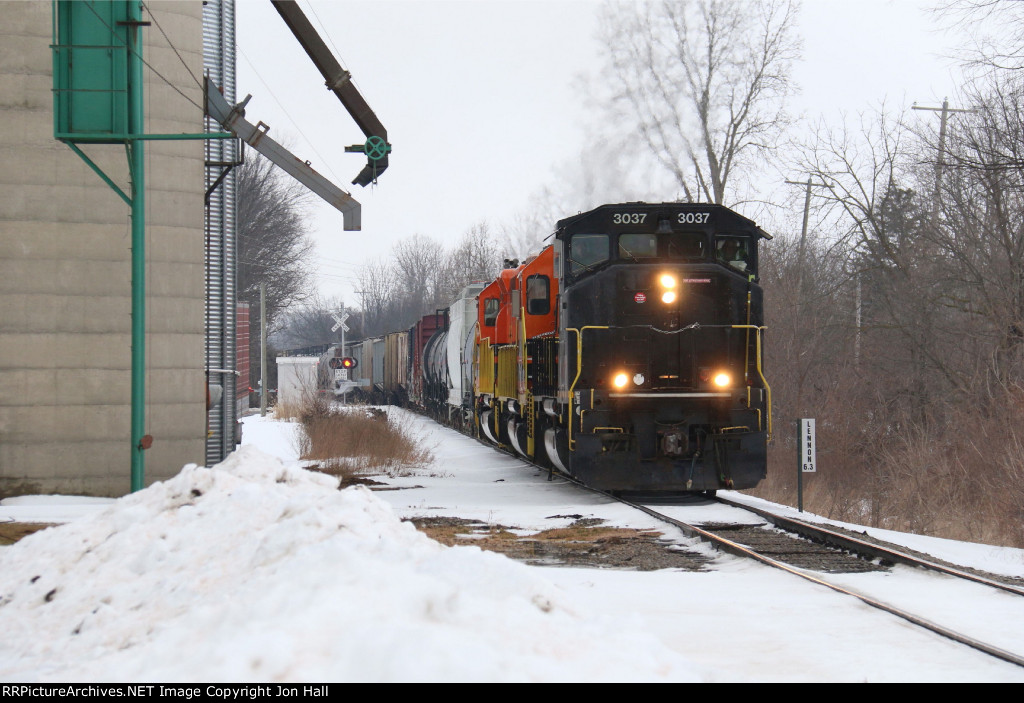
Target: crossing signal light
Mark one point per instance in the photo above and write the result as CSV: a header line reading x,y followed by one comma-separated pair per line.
x,y
349,363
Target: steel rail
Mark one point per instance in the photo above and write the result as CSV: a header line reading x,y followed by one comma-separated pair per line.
x,y
841,541
743,551
736,549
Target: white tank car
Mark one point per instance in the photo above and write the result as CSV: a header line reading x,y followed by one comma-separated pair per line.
x,y
461,326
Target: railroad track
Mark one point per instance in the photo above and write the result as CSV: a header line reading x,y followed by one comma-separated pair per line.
x,y
820,549
875,549
828,551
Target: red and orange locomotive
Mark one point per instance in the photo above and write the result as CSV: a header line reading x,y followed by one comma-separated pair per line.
x,y
628,353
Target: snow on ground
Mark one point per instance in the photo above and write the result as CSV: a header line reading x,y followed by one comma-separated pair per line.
x,y
256,570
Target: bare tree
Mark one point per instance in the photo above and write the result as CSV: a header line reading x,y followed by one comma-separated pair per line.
x,y
377,295
420,276
924,426
882,232
529,229
981,231
704,81
418,261
273,247
994,30
309,324
858,166
477,257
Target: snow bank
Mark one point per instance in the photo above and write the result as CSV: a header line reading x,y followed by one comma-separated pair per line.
x,y
256,570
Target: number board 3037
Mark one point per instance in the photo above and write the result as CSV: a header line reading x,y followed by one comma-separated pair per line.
x,y
629,218
639,218
693,218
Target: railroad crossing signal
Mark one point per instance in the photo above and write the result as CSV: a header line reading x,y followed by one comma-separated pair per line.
x,y
348,362
339,322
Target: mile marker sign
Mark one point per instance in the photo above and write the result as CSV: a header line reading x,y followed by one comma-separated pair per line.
x,y
806,440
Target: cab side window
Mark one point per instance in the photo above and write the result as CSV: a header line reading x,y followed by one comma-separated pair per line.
x,y
538,292
734,252
491,307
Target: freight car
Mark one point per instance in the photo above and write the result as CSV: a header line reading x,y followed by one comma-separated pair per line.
x,y
628,353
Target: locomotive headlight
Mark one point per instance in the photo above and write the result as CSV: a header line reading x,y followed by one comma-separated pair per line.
x,y
620,380
668,296
667,280
638,379
722,379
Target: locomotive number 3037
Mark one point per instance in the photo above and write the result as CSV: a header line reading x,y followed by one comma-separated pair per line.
x,y
637,218
628,218
693,218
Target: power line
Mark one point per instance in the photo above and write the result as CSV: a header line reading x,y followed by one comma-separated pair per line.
x,y
337,52
287,114
326,33
173,48
143,60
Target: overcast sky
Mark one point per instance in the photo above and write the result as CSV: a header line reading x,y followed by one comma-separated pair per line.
x,y
482,105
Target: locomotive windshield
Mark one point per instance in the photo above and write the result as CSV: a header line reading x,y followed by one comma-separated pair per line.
x,y
587,250
684,245
638,246
677,245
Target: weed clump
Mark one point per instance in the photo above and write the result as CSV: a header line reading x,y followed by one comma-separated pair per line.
x,y
355,441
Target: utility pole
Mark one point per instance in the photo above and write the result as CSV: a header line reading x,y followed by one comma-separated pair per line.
x,y
803,232
945,110
856,339
800,299
362,311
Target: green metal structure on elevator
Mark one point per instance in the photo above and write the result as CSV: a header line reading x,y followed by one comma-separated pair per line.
x,y
98,99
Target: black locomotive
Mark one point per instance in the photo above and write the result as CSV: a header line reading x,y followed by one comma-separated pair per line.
x,y
627,353
660,357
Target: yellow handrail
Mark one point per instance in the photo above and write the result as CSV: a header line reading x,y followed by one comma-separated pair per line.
x,y
579,369
760,372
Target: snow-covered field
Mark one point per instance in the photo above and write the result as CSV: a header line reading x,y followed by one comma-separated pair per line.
x,y
256,570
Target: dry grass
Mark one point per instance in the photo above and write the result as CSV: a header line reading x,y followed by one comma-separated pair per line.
x,y
11,532
959,479
585,543
288,411
356,441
